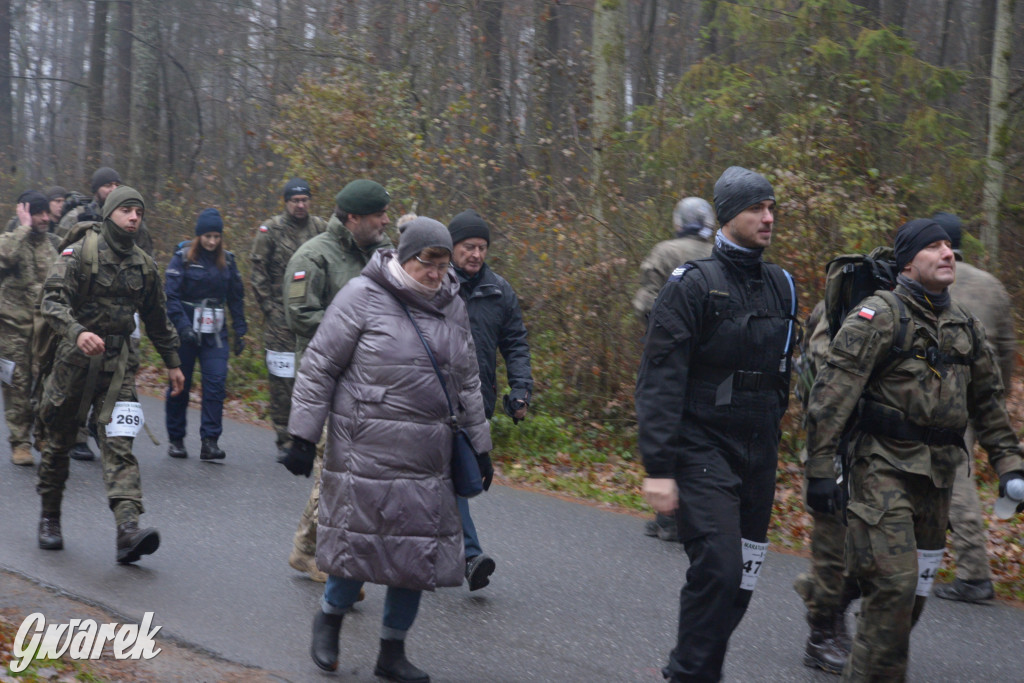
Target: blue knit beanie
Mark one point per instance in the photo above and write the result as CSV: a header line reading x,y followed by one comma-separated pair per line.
x,y
209,221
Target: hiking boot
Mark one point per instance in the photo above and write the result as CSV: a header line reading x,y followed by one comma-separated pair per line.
x,y
663,527
81,451
50,537
966,590
324,648
478,571
301,562
133,543
176,449
392,664
22,455
825,650
210,450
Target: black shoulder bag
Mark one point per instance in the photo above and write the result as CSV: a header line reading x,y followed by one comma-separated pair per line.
x,y
465,466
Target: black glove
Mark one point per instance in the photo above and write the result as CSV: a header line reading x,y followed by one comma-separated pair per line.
x,y
483,461
1005,479
188,336
511,405
300,456
824,495
239,345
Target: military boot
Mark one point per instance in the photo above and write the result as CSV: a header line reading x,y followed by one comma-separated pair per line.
x,y
824,649
133,543
324,648
50,537
392,664
210,450
22,455
81,451
966,590
302,562
176,449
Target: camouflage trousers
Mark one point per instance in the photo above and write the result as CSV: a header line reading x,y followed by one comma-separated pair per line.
x,y
58,412
826,590
15,346
305,535
892,514
968,535
280,339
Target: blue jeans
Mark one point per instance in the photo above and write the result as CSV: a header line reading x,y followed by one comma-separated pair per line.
x,y
213,364
469,537
400,604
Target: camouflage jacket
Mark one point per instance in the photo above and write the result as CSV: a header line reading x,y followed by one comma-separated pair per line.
x,y
25,259
658,266
316,272
275,242
986,298
75,301
926,393
95,213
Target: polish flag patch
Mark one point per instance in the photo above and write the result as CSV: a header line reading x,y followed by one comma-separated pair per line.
x,y
67,252
263,228
866,313
299,275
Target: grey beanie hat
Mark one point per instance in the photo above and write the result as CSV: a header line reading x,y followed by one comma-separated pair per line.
x,y
737,189
422,233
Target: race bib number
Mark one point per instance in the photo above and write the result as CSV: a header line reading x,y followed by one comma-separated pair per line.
x,y
138,330
126,419
208,320
6,371
928,562
753,559
281,363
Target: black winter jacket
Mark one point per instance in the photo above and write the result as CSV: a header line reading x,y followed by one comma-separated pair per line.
x,y
497,324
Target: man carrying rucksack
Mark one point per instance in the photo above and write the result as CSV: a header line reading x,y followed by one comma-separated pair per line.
x,y
907,439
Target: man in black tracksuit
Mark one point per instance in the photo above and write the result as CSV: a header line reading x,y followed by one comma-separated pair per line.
x,y
497,325
712,388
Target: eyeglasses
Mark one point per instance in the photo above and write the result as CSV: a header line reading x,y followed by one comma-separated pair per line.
x,y
441,268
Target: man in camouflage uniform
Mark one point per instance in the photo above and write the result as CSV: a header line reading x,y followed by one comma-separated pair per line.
x,y
55,198
90,299
694,222
26,255
103,182
985,297
315,273
276,241
908,439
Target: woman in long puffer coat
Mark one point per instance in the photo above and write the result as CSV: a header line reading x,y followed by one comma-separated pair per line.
x,y
387,505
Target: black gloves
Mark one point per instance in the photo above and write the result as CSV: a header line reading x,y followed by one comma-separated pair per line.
x,y
511,405
188,336
824,495
239,345
483,461
300,456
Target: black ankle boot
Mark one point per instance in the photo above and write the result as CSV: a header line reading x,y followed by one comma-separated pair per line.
x,y
392,664
210,450
50,537
133,543
825,648
177,449
324,649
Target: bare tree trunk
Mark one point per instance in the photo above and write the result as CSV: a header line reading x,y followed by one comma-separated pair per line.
x,y
646,77
609,61
7,153
120,111
145,129
998,130
94,98
947,12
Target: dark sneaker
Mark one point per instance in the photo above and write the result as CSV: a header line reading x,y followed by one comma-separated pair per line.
x,y
966,591
176,449
81,451
478,571
133,543
210,450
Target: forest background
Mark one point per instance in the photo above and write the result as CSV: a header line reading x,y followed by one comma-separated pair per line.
x,y
573,127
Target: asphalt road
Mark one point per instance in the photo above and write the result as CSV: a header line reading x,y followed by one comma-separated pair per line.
x,y
579,593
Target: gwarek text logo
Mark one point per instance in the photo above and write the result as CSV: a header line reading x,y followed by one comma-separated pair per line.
x,y
81,639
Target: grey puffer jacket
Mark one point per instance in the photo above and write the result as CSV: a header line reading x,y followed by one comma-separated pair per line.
x,y
387,505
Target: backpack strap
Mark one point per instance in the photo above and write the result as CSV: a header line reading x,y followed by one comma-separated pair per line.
x,y
902,340
90,257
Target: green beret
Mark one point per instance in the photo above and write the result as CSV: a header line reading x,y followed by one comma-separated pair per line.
x,y
362,197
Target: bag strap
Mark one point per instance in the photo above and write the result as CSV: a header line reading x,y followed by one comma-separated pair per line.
x,y
433,361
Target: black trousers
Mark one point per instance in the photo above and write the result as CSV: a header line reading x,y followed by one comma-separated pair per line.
x,y
723,499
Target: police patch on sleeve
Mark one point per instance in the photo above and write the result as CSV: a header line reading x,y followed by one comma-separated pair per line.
x,y
678,273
